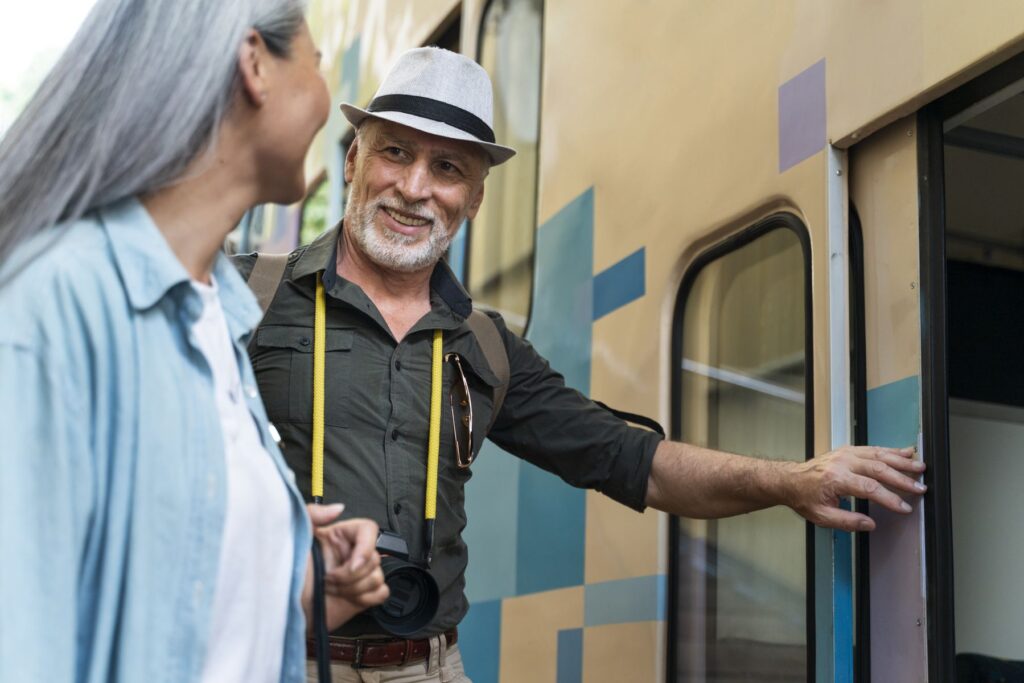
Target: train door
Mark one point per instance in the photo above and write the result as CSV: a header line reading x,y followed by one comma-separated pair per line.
x,y
942,214
972,234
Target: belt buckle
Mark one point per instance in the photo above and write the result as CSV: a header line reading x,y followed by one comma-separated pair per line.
x,y
357,660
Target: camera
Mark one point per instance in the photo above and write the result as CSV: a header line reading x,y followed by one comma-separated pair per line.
x,y
414,594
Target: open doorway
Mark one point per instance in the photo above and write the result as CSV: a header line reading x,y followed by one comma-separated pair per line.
x,y
973,282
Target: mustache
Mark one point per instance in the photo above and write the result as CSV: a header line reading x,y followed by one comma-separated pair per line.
x,y
417,209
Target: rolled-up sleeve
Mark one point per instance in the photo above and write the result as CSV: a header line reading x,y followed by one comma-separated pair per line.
x,y
45,489
562,431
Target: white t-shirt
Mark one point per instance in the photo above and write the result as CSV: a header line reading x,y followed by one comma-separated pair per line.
x,y
250,601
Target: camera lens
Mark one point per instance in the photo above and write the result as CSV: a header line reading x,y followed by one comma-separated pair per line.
x,y
413,601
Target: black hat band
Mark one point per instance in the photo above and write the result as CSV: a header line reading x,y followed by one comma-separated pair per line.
x,y
435,110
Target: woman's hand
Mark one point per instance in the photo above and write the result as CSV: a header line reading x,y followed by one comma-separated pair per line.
x,y
353,580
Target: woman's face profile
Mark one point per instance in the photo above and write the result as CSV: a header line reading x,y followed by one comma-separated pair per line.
x,y
294,109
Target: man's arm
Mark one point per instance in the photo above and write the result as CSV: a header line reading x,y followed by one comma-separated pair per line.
x,y
697,482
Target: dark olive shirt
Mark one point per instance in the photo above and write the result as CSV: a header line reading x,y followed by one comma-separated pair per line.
x,y
377,412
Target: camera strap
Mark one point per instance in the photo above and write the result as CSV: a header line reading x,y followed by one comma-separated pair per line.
x,y
320,635
433,442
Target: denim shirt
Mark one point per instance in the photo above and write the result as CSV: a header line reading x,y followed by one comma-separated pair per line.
x,y
112,473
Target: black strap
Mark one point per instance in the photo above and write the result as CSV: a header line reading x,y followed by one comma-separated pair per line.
x,y
435,110
320,635
635,419
489,338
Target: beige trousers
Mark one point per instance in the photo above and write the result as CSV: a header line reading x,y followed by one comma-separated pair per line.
x,y
443,666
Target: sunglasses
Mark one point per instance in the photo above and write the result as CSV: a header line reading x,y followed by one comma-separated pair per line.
x,y
461,404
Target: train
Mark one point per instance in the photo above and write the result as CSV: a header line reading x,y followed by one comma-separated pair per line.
x,y
775,227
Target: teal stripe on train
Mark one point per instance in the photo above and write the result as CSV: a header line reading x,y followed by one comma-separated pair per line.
x,y
641,598
552,515
894,413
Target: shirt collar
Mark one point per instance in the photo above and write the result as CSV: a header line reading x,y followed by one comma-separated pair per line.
x,y
150,269
322,253
147,265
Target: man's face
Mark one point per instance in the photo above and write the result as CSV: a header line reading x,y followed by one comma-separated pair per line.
x,y
409,193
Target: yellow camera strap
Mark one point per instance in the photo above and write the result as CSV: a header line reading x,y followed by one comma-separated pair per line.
x,y
319,342
433,442
433,445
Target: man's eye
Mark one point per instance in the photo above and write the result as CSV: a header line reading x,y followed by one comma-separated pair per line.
x,y
447,167
394,151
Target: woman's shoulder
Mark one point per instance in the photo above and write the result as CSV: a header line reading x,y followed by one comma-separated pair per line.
x,y
57,280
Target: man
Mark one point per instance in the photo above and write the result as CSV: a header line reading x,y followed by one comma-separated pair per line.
x,y
416,170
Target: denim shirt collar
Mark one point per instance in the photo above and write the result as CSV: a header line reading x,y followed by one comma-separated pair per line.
x,y
150,270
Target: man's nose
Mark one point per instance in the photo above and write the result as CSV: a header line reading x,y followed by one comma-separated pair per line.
x,y
414,184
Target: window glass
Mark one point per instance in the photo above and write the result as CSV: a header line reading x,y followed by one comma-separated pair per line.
x,y
501,238
741,591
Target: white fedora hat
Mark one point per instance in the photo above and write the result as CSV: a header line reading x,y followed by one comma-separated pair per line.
x,y
438,92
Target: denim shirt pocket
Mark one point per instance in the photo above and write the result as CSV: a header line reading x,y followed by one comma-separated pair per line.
x,y
283,361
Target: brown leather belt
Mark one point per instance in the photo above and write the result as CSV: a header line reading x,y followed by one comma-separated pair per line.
x,y
368,652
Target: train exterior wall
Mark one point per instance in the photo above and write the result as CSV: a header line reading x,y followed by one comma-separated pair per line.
x,y
666,127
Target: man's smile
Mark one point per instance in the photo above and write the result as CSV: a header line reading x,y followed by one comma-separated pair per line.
x,y
405,223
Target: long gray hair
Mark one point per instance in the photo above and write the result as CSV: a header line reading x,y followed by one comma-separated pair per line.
x,y
137,96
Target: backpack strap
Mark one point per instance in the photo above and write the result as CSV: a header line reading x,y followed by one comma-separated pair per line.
x,y
489,338
265,276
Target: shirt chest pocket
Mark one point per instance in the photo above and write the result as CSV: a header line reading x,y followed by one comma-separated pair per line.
x,y
482,384
283,361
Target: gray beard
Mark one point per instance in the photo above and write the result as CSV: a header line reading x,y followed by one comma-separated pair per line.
x,y
393,250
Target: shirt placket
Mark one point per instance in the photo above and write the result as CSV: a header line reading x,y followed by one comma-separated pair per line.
x,y
393,464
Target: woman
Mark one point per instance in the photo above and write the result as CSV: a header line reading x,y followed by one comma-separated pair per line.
x,y
149,529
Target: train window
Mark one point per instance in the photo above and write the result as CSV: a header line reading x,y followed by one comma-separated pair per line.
x,y
739,606
501,238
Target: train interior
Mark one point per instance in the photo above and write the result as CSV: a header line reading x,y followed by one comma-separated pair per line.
x,y
983,150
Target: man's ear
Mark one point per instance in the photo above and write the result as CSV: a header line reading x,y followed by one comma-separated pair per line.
x,y
350,160
253,62
474,205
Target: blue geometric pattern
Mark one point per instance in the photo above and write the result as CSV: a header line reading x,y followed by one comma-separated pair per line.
x,y
552,515
641,598
480,641
620,284
570,656
526,530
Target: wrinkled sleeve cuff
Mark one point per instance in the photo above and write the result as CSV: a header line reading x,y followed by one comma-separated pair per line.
x,y
631,470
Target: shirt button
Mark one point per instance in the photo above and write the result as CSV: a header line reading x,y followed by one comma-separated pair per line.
x,y
394,435
398,365
250,391
398,508
304,341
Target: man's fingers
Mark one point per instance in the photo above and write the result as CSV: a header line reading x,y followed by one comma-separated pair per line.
x,y
881,470
846,520
345,573
320,515
363,534
902,459
866,487
354,589
375,597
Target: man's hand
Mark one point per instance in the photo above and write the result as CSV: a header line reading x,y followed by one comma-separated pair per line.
x,y
691,481
876,474
353,580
